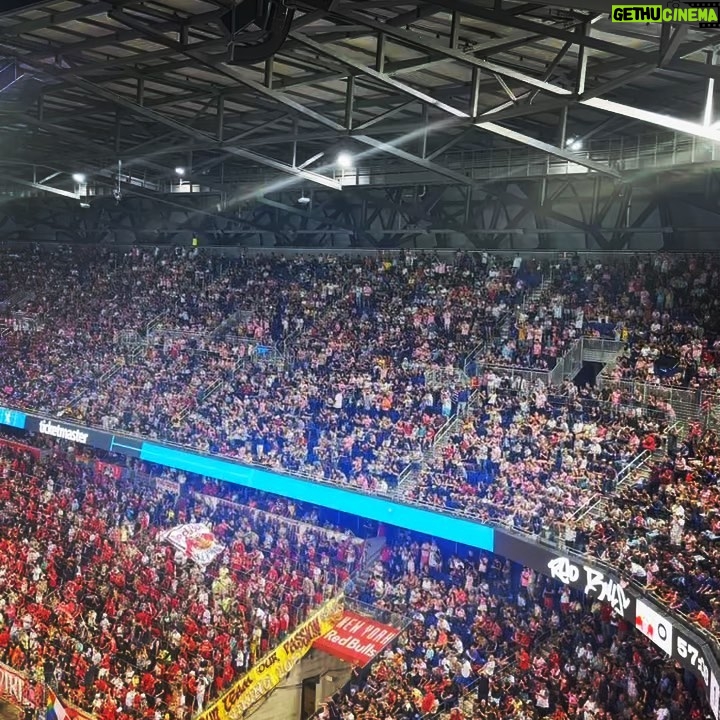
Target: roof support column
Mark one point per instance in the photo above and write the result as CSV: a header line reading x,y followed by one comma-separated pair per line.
x,y
562,128
349,101
710,92
380,53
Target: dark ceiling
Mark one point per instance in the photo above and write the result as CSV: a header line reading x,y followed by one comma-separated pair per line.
x,y
126,92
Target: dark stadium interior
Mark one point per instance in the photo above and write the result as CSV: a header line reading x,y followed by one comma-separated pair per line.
x,y
359,360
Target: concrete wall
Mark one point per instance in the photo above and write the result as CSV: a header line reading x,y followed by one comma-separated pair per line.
x,y
285,702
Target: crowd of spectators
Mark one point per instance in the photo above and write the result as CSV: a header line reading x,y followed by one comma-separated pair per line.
x,y
485,639
536,461
664,307
665,528
486,642
185,347
94,604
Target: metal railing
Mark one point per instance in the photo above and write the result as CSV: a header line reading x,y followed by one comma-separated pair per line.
x,y
566,366
688,405
592,344
594,504
152,325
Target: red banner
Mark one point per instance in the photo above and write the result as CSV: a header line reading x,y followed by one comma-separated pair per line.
x,y
20,447
356,639
108,470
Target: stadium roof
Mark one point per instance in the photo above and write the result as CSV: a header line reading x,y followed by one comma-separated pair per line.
x,y
85,84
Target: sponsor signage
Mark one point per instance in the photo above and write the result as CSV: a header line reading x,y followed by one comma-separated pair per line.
x,y
64,432
356,639
667,633
272,669
654,626
593,582
80,434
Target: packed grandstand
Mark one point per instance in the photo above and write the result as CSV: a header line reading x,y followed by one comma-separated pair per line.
x,y
410,377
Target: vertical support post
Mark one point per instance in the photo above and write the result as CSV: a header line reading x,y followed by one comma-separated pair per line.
x,y
709,92
349,101
41,107
295,136
426,122
595,200
468,204
475,93
380,53
183,35
140,92
455,29
582,32
562,136
269,69
220,129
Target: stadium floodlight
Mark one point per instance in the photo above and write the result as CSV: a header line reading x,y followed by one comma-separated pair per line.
x,y
345,160
79,177
180,171
574,145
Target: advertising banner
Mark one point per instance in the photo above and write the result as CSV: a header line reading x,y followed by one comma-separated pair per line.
x,y
356,639
668,633
196,541
654,626
270,671
79,434
570,570
13,686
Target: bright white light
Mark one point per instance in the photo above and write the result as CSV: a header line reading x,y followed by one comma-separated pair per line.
x,y
344,160
180,171
78,177
574,145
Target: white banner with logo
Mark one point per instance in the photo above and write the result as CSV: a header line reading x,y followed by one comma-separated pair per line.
x,y
196,541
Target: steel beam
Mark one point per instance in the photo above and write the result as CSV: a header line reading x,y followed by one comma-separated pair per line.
x,y
665,121
670,39
473,9
40,186
414,40
492,127
583,31
120,101
549,149
709,93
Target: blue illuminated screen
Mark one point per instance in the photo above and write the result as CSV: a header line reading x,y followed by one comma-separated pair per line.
x,y
13,418
411,518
